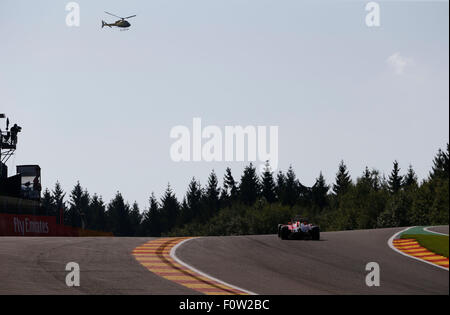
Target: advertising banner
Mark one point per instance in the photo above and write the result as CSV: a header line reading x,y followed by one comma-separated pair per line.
x,y
27,225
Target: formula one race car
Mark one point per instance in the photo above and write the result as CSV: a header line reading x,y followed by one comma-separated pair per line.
x,y
299,229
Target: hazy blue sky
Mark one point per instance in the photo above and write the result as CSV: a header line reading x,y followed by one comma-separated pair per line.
x,y
97,105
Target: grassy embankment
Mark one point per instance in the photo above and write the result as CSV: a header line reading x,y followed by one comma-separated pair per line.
x,y
436,243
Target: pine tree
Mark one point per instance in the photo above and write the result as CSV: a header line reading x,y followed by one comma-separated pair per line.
x,y
47,203
305,195
183,218
291,191
343,180
368,182
366,178
230,185
281,186
440,167
151,225
268,184
395,179
119,216
367,175
170,209
249,188
97,214
212,194
377,181
320,192
192,207
410,180
446,162
58,196
135,219
78,207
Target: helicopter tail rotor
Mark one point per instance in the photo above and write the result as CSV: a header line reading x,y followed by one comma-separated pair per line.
x,y
105,24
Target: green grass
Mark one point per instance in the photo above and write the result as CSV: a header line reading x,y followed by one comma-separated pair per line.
x,y
436,243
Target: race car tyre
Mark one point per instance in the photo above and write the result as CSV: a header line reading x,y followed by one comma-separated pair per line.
x,y
315,234
285,233
279,229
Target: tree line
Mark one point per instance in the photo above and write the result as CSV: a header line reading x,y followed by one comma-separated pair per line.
x,y
255,204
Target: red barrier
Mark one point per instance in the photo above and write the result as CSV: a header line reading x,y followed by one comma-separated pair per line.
x,y
62,230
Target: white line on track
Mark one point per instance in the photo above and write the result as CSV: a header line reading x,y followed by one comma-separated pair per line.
x,y
391,245
427,229
178,260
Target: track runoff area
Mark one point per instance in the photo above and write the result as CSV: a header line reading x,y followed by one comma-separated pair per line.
x,y
406,243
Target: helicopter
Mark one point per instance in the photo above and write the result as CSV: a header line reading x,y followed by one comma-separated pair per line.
x,y
122,23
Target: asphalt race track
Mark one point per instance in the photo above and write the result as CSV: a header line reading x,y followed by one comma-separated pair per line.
x,y
440,229
335,265
261,264
37,266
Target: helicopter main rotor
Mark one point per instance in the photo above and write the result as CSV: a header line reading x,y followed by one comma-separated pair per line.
x,y
122,18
